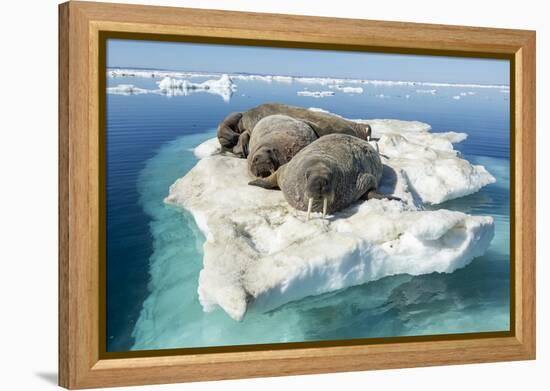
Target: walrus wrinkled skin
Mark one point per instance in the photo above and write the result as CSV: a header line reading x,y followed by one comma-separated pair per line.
x,y
275,141
328,175
235,130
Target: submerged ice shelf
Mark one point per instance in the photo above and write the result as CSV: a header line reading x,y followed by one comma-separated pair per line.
x,y
260,253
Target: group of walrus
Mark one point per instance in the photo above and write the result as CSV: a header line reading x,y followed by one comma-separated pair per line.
x,y
321,162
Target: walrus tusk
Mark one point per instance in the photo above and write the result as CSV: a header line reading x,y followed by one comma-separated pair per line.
x,y
309,205
325,204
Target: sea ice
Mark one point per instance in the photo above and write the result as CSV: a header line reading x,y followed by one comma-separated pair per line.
x,y
156,73
283,79
315,94
260,253
223,86
172,86
126,89
347,89
324,81
431,92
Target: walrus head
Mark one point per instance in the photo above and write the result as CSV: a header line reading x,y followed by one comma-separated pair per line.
x,y
319,189
368,131
264,162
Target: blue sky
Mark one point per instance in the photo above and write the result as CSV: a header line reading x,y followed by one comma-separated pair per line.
x,y
304,62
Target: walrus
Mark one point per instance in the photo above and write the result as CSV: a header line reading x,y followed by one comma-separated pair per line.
x,y
275,141
328,175
235,130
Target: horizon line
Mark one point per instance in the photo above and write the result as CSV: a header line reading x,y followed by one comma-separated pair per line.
x,y
433,83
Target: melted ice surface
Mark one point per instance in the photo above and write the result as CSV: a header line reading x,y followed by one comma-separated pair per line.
x,y
260,252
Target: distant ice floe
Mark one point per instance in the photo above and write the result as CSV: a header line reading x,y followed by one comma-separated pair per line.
x,y
431,92
260,253
347,89
316,94
119,72
264,78
464,94
283,79
169,86
223,87
126,89
324,81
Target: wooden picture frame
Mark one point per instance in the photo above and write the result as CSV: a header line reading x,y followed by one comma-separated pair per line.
x,y
82,364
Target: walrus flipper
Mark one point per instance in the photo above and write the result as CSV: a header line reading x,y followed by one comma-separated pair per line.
x,y
229,130
241,149
373,194
365,183
270,182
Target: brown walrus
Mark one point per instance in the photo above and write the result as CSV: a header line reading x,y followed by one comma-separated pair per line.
x,y
328,175
275,141
236,130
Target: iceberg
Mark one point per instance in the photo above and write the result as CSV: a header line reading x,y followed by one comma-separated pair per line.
x,y
260,253
315,94
223,87
171,86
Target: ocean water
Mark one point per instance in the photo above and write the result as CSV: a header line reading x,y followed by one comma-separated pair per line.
x,y
154,252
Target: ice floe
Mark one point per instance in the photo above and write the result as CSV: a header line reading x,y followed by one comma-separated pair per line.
x,y
223,86
316,94
347,89
154,73
126,89
170,86
283,79
323,81
260,253
431,92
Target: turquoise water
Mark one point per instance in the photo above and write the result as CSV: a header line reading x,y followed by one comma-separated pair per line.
x,y
155,251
